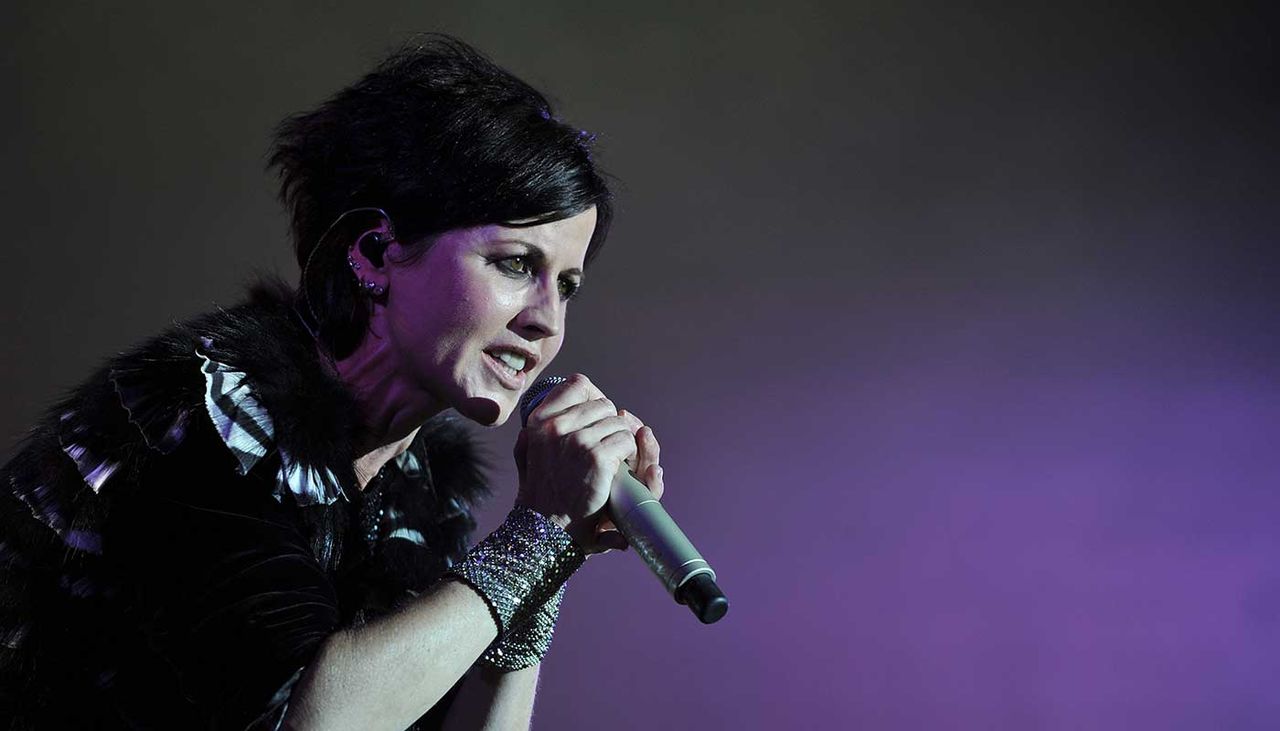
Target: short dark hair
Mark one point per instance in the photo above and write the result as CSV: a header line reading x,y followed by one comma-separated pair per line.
x,y
440,138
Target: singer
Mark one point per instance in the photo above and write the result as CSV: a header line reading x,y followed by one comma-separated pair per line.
x,y
261,517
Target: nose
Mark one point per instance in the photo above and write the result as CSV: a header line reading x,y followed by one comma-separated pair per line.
x,y
543,313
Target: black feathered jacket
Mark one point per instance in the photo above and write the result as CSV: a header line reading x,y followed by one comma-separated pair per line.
x,y
180,534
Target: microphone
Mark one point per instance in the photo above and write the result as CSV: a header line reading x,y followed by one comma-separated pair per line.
x,y
686,576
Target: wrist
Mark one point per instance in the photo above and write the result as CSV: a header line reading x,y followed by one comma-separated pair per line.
x,y
526,644
577,530
519,567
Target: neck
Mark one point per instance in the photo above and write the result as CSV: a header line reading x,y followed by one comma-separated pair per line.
x,y
391,408
369,464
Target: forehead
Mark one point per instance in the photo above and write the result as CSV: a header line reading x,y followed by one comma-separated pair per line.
x,y
564,241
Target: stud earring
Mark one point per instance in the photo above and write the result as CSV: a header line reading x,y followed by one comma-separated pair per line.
x,y
353,263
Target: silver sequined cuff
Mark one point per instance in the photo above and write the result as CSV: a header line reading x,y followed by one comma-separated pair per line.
x,y
519,566
526,644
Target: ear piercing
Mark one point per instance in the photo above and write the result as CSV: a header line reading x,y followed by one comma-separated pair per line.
x,y
375,290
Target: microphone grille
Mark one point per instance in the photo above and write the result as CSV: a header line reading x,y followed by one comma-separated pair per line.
x,y
538,391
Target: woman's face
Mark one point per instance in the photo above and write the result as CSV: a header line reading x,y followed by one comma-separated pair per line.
x,y
481,314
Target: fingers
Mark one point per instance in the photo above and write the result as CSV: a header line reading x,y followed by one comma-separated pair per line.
x,y
598,431
654,480
575,390
578,416
648,448
632,418
598,422
577,413
637,461
648,453
617,448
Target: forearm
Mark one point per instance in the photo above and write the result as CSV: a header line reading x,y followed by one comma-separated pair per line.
x,y
494,700
387,673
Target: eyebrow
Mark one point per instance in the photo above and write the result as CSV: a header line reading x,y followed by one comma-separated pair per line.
x,y
539,256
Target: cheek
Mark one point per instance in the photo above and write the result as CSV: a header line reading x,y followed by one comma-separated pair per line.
x,y
483,309
427,320
470,312
551,350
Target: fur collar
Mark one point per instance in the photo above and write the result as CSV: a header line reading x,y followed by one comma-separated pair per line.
x,y
161,388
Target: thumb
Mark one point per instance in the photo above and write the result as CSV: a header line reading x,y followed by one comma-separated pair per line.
x,y
611,540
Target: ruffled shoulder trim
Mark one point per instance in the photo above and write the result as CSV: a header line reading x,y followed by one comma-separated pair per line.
x,y
140,402
240,421
157,415
246,428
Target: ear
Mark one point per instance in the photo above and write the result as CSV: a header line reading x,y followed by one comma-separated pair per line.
x,y
373,245
366,254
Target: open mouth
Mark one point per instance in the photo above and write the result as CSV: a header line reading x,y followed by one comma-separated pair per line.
x,y
511,366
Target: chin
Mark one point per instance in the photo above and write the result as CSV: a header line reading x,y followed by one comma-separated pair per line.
x,y
485,410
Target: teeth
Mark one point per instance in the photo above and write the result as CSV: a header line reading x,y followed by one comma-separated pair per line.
x,y
513,361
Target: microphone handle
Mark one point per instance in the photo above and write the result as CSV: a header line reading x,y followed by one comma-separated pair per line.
x,y
656,538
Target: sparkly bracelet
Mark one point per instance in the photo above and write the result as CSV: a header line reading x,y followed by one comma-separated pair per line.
x,y
519,566
526,644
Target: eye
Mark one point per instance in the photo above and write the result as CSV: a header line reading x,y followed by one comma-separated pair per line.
x,y
569,288
521,266
516,265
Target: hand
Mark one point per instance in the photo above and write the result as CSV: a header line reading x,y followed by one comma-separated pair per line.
x,y
568,454
644,465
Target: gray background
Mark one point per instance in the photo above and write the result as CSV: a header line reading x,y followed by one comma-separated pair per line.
x,y
958,326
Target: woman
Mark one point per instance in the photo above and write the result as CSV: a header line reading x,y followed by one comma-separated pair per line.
x,y
259,518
